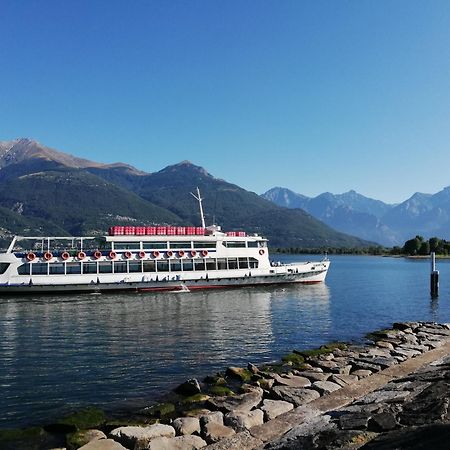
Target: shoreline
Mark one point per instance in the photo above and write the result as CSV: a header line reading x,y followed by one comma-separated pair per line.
x,y
255,406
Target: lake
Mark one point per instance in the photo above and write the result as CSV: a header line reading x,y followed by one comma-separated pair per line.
x,y
59,353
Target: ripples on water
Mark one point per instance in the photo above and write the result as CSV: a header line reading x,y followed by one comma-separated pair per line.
x,y
64,352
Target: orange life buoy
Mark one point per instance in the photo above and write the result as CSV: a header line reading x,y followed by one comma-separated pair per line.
x,y
112,255
261,252
141,254
156,254
65,255
48,256
169,254
204,252
128,254
97,254
81,255
193,253
181,253
31,256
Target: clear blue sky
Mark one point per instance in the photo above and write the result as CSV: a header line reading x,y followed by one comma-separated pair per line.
x,y
311,95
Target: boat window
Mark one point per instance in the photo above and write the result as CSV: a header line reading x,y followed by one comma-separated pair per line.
x,y
90,267
135,266
24,269
175,265
120,267
262,244
163,266
204,245
188,265
180,245
221,264
234,244
199,264
252,244
105,267
232,263
210,264
73,268
39,268
253,263
3,267
56,268
149,266
127,245
243,263
154,245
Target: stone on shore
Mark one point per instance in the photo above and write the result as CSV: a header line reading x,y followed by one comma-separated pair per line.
x,y
325,387
186,425
214,432
242,402
297,396
241,421
189,387
103,444
216,417
274,408
83,437
131,435
292,381
177,443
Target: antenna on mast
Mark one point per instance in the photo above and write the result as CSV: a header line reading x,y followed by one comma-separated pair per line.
x,y
199,198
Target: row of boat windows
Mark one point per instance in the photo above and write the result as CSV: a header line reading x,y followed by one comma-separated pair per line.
x,y
181,265
184,245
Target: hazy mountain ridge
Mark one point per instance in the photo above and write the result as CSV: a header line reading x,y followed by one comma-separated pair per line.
x,y
353,213
43,190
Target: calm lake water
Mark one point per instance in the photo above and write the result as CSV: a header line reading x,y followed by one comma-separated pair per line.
x,y
64,352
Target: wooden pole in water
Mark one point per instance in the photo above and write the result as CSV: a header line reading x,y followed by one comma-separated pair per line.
x,y
434,277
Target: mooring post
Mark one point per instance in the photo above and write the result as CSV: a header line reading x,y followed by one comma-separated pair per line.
x,y
434,277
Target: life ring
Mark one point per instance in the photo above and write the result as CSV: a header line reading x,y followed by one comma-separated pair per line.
x,y
181,253
31,256
65,255
128,254
169,254
97,254
155,254
193,253
81,255
261,252
141,254
204,252
48,256
112,255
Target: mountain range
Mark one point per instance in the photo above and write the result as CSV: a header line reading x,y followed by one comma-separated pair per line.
x,y
388,224
47,192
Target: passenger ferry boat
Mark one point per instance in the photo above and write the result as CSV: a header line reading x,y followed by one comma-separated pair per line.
x,y
152,258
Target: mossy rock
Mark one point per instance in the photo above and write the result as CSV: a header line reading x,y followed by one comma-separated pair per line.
x,y
82,437
160,410
217,379
86,418
197,398
16,434
221,391
293,358
239,373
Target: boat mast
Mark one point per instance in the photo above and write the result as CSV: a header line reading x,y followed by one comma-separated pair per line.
x,y
199,198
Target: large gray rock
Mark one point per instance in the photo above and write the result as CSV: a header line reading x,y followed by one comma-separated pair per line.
x,y
244,420
214,432
243,402
297,396
273,408
186,425
343,380
215,416
177,443
189,387
292,381
325,387
130,436
315,376
103,444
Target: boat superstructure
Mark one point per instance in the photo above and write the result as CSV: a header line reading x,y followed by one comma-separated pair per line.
x,y
150,258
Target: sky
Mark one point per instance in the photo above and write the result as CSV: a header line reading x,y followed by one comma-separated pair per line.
x,y
315,96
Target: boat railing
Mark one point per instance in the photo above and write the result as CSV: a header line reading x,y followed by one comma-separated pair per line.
x,y
24,244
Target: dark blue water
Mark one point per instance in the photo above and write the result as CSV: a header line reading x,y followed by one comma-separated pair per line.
x,y
64,352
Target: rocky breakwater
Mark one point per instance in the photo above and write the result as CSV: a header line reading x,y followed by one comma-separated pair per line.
x,y
337,396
